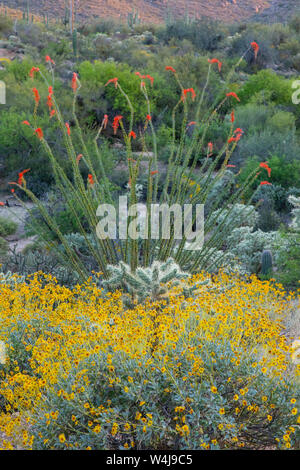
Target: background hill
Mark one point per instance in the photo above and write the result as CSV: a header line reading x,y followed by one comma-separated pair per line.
x,y
157,10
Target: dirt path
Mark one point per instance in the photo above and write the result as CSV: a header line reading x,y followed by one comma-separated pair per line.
x,y
18,241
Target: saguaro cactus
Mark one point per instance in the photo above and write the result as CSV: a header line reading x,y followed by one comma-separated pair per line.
x,y
266,263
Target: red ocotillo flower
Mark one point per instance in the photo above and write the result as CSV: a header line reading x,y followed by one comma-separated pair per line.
x,y
266,167
132,134
148,117
192,123
52,113
49,101
36,95
105,121
154,172
265,182
238,130
235,139
39,133
231,166
79,157
91,179
26,123
32,71
116,123
113,80
216,61
171,69
151,79
255,48
232,117
186,91
48,59
210,147
74,84
234,95
21,176
138,74
68,128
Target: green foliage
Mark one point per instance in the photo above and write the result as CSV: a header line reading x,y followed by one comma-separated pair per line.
x,y
277,89
7,227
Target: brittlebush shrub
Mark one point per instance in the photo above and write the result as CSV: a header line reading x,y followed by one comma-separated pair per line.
x,y
209,372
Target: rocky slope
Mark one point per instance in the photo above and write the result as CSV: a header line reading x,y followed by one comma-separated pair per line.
x,y
157,10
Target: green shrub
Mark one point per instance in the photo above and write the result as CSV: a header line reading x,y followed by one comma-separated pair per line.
x,y
7,227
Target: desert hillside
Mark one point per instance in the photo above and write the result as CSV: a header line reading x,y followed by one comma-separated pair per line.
x,y
158,10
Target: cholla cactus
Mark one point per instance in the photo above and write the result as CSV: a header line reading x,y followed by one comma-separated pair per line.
x,y
295,201
153,282
10,279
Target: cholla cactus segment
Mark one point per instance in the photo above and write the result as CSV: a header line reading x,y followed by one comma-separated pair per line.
x,y
295,201
152,282
10,279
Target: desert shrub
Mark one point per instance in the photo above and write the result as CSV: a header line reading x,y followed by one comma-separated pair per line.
x,y
281,121
283,171
205,34
276,88
6,25
174,375
7,227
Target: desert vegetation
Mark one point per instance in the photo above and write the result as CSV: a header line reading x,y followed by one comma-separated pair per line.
x,y
123,343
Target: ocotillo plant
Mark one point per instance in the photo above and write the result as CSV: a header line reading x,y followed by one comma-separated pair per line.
x,y
178,188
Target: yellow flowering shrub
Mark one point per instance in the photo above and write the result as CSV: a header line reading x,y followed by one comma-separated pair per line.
x,y
213,371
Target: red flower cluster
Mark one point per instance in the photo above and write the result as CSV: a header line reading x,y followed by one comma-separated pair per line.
x,y
171,69
32,71
143,77
21,176
186,91
74,84
255,48
237,135
113,80
48,59
234,95
68,128
39,133
105,121
132,134
36,95
266,167
116,123
49,100
91,179
216,61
